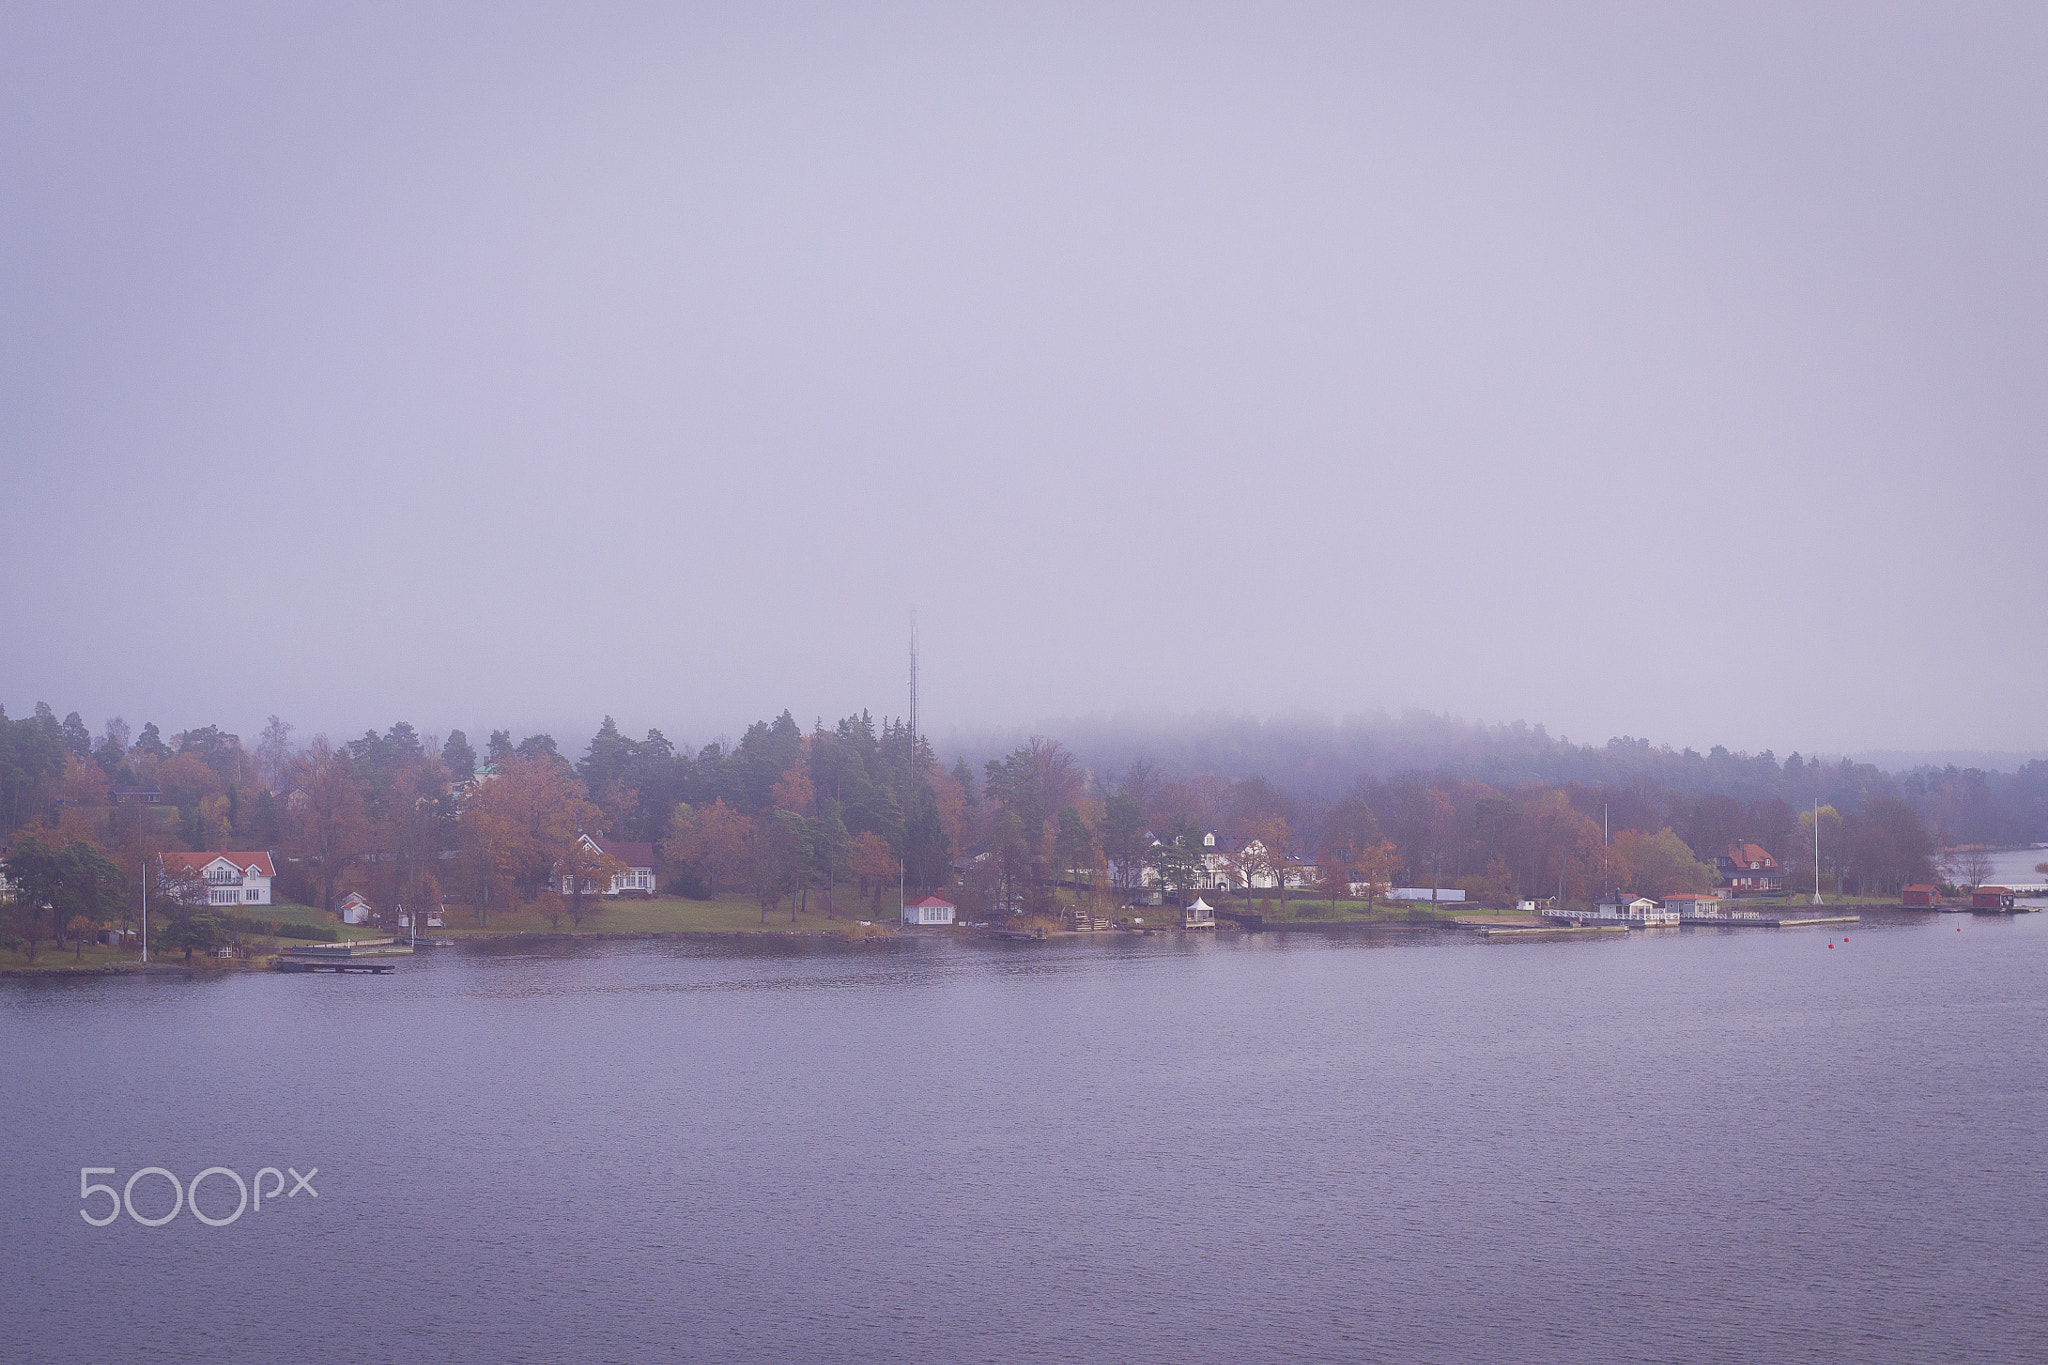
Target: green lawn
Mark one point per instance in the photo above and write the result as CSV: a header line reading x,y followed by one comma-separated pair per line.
x,y
729,913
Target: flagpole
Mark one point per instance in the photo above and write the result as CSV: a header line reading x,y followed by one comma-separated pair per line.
x,y
1816,850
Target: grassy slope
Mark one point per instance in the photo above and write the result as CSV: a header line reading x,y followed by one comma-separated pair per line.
x,y
730,913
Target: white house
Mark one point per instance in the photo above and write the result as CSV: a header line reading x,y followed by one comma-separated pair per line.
x,y
637,860
229,878
930,910
1634,910
1687,905
354,908
1198,916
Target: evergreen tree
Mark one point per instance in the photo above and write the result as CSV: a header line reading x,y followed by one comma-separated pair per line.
x,y
460,758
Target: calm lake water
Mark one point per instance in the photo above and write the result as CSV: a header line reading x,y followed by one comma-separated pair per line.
x,y
1685,1146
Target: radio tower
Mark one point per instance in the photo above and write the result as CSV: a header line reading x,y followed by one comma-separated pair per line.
x,y
913,675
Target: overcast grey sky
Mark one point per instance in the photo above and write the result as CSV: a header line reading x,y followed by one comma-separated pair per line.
x,y
1664,370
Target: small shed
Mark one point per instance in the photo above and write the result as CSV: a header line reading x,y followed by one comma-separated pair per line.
x,y
1200,915
1991,898
1921,895
930,910
354,908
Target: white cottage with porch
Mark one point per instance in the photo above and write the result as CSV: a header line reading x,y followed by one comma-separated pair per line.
x,y
930,910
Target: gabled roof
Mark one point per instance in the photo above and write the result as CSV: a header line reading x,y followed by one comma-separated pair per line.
x,y
931,901
198,862
632,855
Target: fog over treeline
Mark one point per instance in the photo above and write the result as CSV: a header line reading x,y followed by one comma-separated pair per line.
x,y
1659,370
1224,773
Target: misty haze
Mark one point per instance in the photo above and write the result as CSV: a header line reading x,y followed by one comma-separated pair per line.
x,y
917,682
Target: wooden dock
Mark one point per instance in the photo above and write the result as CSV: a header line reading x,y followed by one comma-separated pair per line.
x,y
1549,931
376,956
1771,922
338,964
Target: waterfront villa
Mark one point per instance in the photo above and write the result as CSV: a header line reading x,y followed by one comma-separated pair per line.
x,y
229,878
930,910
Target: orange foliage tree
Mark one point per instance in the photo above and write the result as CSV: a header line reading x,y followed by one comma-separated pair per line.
x,y
326,824
874,862
715,838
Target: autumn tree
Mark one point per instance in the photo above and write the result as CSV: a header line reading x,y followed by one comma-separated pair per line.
x,y
1660,864
715,839
794,791
1375,867
874,863
584,871
540,806
325,821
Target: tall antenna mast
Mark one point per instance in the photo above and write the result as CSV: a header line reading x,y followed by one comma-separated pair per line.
x,y
913,675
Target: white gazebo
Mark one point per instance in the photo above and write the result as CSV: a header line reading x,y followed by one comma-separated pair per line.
x,y
1200,915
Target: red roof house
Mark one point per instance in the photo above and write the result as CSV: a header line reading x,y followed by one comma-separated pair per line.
x,y
233,878
1748,868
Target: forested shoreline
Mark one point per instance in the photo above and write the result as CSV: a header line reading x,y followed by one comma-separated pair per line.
x,y
840,815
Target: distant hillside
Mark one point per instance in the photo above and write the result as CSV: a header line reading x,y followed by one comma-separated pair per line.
x,y
1984,760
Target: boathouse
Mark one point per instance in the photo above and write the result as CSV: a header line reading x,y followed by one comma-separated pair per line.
x,y
1920,896
930,910
1634,910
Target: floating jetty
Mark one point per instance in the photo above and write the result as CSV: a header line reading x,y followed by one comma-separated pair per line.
x,y
1772,921
1549,931
375,955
